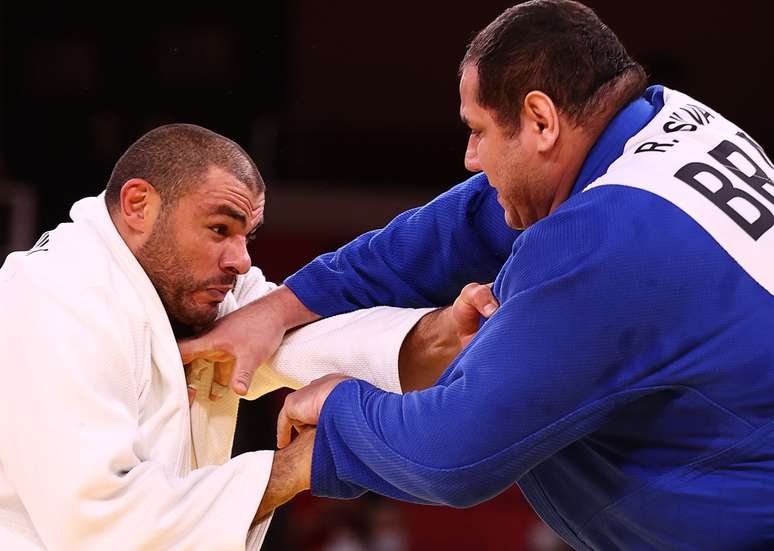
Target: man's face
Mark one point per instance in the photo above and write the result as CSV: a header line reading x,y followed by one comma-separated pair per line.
x,y
508,161
198,246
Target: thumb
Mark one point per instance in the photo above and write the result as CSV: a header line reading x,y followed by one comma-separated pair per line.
x,y
284,428
242,377
483,300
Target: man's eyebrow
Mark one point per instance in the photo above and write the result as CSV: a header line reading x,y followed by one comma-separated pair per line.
x,y
231,212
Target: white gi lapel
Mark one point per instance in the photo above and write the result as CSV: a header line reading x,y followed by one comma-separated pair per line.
x,y
212,422
164,352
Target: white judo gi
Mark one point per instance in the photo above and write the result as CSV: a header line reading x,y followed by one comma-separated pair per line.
x,y
98,447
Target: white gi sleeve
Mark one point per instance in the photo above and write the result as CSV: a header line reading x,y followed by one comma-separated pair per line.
x,y
364,344
72,447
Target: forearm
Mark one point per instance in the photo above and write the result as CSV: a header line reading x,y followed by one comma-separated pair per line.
x,y
406,462
290,474
427,350
284,305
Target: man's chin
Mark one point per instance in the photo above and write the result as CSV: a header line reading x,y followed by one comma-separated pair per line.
x,y
204,319
197,317
514,221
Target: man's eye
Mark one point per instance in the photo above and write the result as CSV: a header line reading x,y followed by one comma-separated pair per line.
x,y
220,230
251,237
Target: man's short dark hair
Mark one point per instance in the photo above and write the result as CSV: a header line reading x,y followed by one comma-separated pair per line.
x,y
558,47
174,158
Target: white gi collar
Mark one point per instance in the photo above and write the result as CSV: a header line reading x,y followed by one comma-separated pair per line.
x,y
94,212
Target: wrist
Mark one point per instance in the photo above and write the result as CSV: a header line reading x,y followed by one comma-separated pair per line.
x,y
291,473
301,459
294,312
286,307
428,349
444,335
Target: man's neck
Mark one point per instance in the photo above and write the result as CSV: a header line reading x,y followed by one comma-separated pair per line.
x,y
575,148
613,97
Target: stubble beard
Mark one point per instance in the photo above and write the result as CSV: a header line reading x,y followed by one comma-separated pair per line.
x,y
529,199
161,258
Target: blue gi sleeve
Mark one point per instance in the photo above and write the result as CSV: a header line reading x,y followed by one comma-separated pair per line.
x,y
422,258
573,341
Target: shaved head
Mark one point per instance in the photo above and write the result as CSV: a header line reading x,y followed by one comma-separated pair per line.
x,y
175,158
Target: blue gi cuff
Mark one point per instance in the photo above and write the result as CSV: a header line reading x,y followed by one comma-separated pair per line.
x,y
341,404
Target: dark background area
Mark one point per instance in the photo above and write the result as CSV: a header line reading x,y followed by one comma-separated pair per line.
x,y
350,110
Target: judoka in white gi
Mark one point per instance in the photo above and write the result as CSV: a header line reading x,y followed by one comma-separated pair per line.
x,y
99,449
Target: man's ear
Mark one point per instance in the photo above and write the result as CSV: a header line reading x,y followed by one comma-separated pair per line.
x,y
541,118
139,205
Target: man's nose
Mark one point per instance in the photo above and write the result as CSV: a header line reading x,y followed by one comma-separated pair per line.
x,y
471,155
236,259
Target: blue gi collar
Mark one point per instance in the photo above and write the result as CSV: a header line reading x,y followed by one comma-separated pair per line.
x,y
610,144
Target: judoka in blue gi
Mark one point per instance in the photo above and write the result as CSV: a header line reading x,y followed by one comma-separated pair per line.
x,y
626,381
